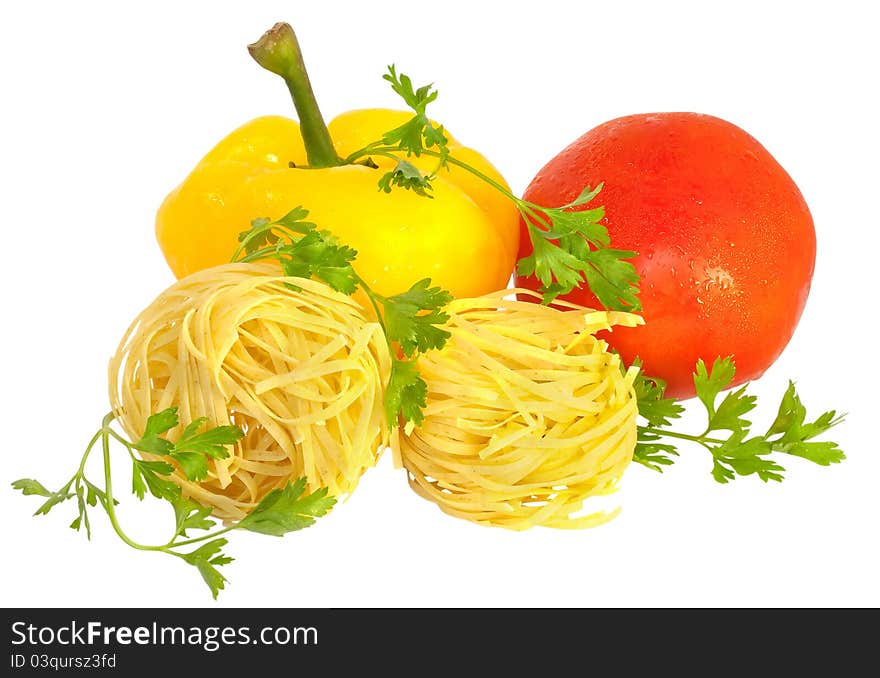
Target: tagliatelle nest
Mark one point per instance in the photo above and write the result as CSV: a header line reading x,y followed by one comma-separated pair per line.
x,y
528,415
299,370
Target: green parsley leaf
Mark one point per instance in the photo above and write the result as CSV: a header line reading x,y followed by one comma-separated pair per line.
x,y
191,452
570,247
316,255
408,137
154,445
654,407
95,495
419,133
652,454
792,414
611,277
264,233
709,384
287,510
55,499
821,453
259,235
211,575
295,220
743,456
740,453
144,477
729,415
161,422
564,223
207,558
586,196
720,472
212,443
83,518
406,394
160,467
158,424
407,176
657,410
190,515
793,433
402,84
29,486
558,270
192,428
193,464
414,318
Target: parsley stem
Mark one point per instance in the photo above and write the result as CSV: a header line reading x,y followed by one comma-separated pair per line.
x,y
278,51
196,540
376,148
529,211
375,300
82,464
259,231
683,436
109,504
477,173
261,254
373,148
530,216
242,245
120,439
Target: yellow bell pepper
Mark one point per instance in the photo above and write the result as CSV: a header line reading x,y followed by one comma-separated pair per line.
x,y
465,239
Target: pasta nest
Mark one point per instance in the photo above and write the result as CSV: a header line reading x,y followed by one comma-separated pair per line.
x,y
528,414
293,363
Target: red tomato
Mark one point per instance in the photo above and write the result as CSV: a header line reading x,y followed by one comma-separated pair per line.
x,y
725,242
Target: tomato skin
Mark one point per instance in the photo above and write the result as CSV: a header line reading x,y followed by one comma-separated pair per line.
x,y
725,241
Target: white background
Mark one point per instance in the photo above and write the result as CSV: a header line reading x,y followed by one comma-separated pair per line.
x,y
106,106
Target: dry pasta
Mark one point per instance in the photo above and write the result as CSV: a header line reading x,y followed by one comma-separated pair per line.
x,y
290,361
528,415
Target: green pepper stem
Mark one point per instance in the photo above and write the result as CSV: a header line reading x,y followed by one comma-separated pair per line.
x,y
278,52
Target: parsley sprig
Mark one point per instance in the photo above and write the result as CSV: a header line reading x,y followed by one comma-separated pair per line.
x,y
419,133
570,245
411,320
728,437
282,510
